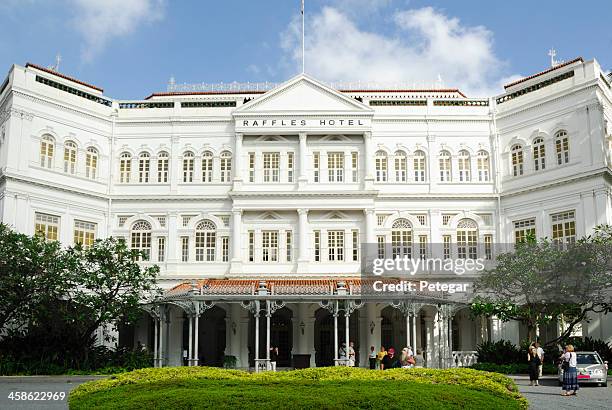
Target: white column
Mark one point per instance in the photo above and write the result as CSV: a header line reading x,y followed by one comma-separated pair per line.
x,y
368,160
347,333
196,348
162,329
408,330
268,316
236,241
237,160
303,155
256,334
336,334
414,333
370,226
303,256
190,352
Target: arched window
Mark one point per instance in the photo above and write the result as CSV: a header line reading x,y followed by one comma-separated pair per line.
x,y
188,159
381,166
482,160
401,238
207,166
562,147
400,166
163,166
141,238
539,154
517,160
205,241
70,157
419,166
226,166
47,147
467,238
465,165
91,163
143,167
445,166
125,167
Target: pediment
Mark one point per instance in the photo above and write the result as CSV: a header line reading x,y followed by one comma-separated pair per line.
x,y
302,94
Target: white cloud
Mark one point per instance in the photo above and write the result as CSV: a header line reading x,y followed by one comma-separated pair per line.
x,y
100,21
425,43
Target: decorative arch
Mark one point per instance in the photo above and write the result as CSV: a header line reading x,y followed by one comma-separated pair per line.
x,y
454,221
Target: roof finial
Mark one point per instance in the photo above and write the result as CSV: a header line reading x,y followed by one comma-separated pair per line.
x,y
58,59
553,53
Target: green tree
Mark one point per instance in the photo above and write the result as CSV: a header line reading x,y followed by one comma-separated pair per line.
x,y
32,272
541,282
107,284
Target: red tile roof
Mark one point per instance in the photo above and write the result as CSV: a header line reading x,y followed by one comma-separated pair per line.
x,y
543,72
65,77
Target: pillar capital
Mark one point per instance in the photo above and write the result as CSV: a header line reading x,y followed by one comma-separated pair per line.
x,y
302,211
239,136
237,211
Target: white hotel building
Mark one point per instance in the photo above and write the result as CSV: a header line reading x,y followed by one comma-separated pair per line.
x,y
255,204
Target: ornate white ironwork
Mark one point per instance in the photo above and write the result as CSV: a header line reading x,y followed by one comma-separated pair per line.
x,y
206,225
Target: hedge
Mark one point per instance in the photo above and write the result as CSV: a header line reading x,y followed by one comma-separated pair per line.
x,y
516,368
332,387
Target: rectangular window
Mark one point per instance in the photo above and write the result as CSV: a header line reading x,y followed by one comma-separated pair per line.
x,y
125,168
466,244
446,239
355,166
188,169
47,226
335,246
335,166
289,245
316,165
271,166
185,248
270,246
225,248
488,247
564,228
84,233
251,246
290,162
162,168
380,219
251,167
207,167
161,249
143,169
380,240
423,246
419,166
226,167
401,166
523,229
317,246
355,234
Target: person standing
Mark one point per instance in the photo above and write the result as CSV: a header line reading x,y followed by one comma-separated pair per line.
x,y
570,374
380,356
540,353
342,354
273,358
533,359
372,356
390,361
351,354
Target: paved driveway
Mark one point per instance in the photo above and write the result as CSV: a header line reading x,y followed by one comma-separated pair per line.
x,y
54,384
548,395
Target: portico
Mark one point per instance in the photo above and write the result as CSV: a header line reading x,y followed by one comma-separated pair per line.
x,y
319,315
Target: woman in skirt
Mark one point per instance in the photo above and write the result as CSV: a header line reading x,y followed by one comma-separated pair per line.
x,y
570,374
533,359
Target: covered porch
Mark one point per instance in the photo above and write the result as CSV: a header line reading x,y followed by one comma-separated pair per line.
x,y
235,323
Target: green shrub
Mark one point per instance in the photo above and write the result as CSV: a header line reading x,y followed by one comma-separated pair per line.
x,y
229,361
500,352
332,387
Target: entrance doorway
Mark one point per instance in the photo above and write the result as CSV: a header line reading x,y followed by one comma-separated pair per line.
x,y
281,335
324,336
211,338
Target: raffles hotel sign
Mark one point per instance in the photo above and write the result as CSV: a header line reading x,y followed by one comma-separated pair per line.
x,y
301,123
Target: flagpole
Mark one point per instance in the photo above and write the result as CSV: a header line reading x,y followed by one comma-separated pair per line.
x,y
303,48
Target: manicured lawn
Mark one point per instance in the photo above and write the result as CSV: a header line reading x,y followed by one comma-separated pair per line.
x,y
323,388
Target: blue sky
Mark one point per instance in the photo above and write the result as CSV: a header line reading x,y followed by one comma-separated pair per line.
x,y
132,47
